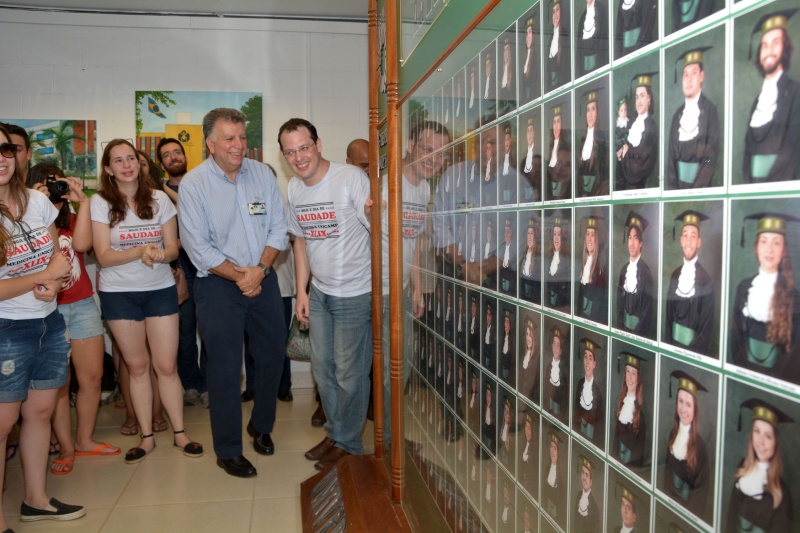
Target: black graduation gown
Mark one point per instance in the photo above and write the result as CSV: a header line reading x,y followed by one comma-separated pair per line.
x,y
701,151
556,291
634,27
589,422
592,299
592,52
592,174
634,443
489,431
557,68
449,322
749,334
508,274
528,471
636,305
531,85
474,338
505,450
686,12
559,177
780,137
692,489
529,378
695,313
489,349
531,186
745,512
530,285
640,161
556,397
553,497
590,522
507,365
460,335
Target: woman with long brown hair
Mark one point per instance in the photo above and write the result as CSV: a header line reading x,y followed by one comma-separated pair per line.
x,y
530,273
767,305
760,499
135,238
686,473
630,433
592,285
34,355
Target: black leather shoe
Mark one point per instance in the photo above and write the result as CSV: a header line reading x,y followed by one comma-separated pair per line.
x,y
238,466
285,396
247,396
262,443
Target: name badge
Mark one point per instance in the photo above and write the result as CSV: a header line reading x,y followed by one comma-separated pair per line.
x,y
257,208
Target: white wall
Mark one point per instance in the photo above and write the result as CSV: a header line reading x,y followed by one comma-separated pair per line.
x,y
80,66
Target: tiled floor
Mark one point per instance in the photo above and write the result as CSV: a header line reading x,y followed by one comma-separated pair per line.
x,y
168,492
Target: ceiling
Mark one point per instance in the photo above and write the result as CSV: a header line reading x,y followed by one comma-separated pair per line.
x,y
349,10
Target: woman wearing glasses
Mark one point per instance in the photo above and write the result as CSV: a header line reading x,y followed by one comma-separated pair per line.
x,y
76,305
33,361
135,235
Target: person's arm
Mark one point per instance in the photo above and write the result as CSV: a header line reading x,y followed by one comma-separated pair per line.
x,y
169,235
195,231
171,194
302,273
82,234
46,283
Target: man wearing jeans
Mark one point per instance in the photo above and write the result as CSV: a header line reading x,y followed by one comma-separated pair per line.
x,y
332,242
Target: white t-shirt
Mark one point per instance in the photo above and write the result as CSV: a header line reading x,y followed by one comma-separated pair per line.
x,y
132,232
415,202
23,261
330,217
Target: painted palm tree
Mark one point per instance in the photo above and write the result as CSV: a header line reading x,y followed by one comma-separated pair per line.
x,y
63,135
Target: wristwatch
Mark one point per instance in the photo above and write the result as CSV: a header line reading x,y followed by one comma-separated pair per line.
x,y
265,269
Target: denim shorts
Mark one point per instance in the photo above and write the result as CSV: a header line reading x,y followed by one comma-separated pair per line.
x,y
82,319
33,355
138,305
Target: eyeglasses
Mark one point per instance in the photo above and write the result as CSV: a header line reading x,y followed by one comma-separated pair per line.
x,y
174,153
9,149
288,154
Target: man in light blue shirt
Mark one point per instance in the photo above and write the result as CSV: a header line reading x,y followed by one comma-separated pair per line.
x,y
232,225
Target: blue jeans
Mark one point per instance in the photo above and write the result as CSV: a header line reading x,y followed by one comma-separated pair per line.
x,y
387,388
341,356
224,316
191,370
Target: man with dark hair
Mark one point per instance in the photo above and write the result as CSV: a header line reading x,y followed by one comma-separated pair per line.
x,y
694,137
332,241
20,137
233,226
172,157
773,134
585,514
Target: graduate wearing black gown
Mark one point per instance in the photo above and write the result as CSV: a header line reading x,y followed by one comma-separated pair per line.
x,y
630,431
557,270
635,288
530,275
586,517
556,384
752,506
639,155
591,287
588,405
591,39
690,295
686,483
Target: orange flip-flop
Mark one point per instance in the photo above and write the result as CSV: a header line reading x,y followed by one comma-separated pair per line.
x,y
66,464
100,450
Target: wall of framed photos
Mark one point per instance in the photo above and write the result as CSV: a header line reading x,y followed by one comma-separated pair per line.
x,y
608,329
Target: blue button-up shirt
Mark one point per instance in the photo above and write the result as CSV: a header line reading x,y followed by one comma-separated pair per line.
x,y
215,217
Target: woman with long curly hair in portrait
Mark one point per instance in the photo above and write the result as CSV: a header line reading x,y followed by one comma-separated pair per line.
x,y
760,499
766,308
135,237
35,347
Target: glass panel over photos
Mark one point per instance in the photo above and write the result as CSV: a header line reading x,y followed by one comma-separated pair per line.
x,y
601,211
